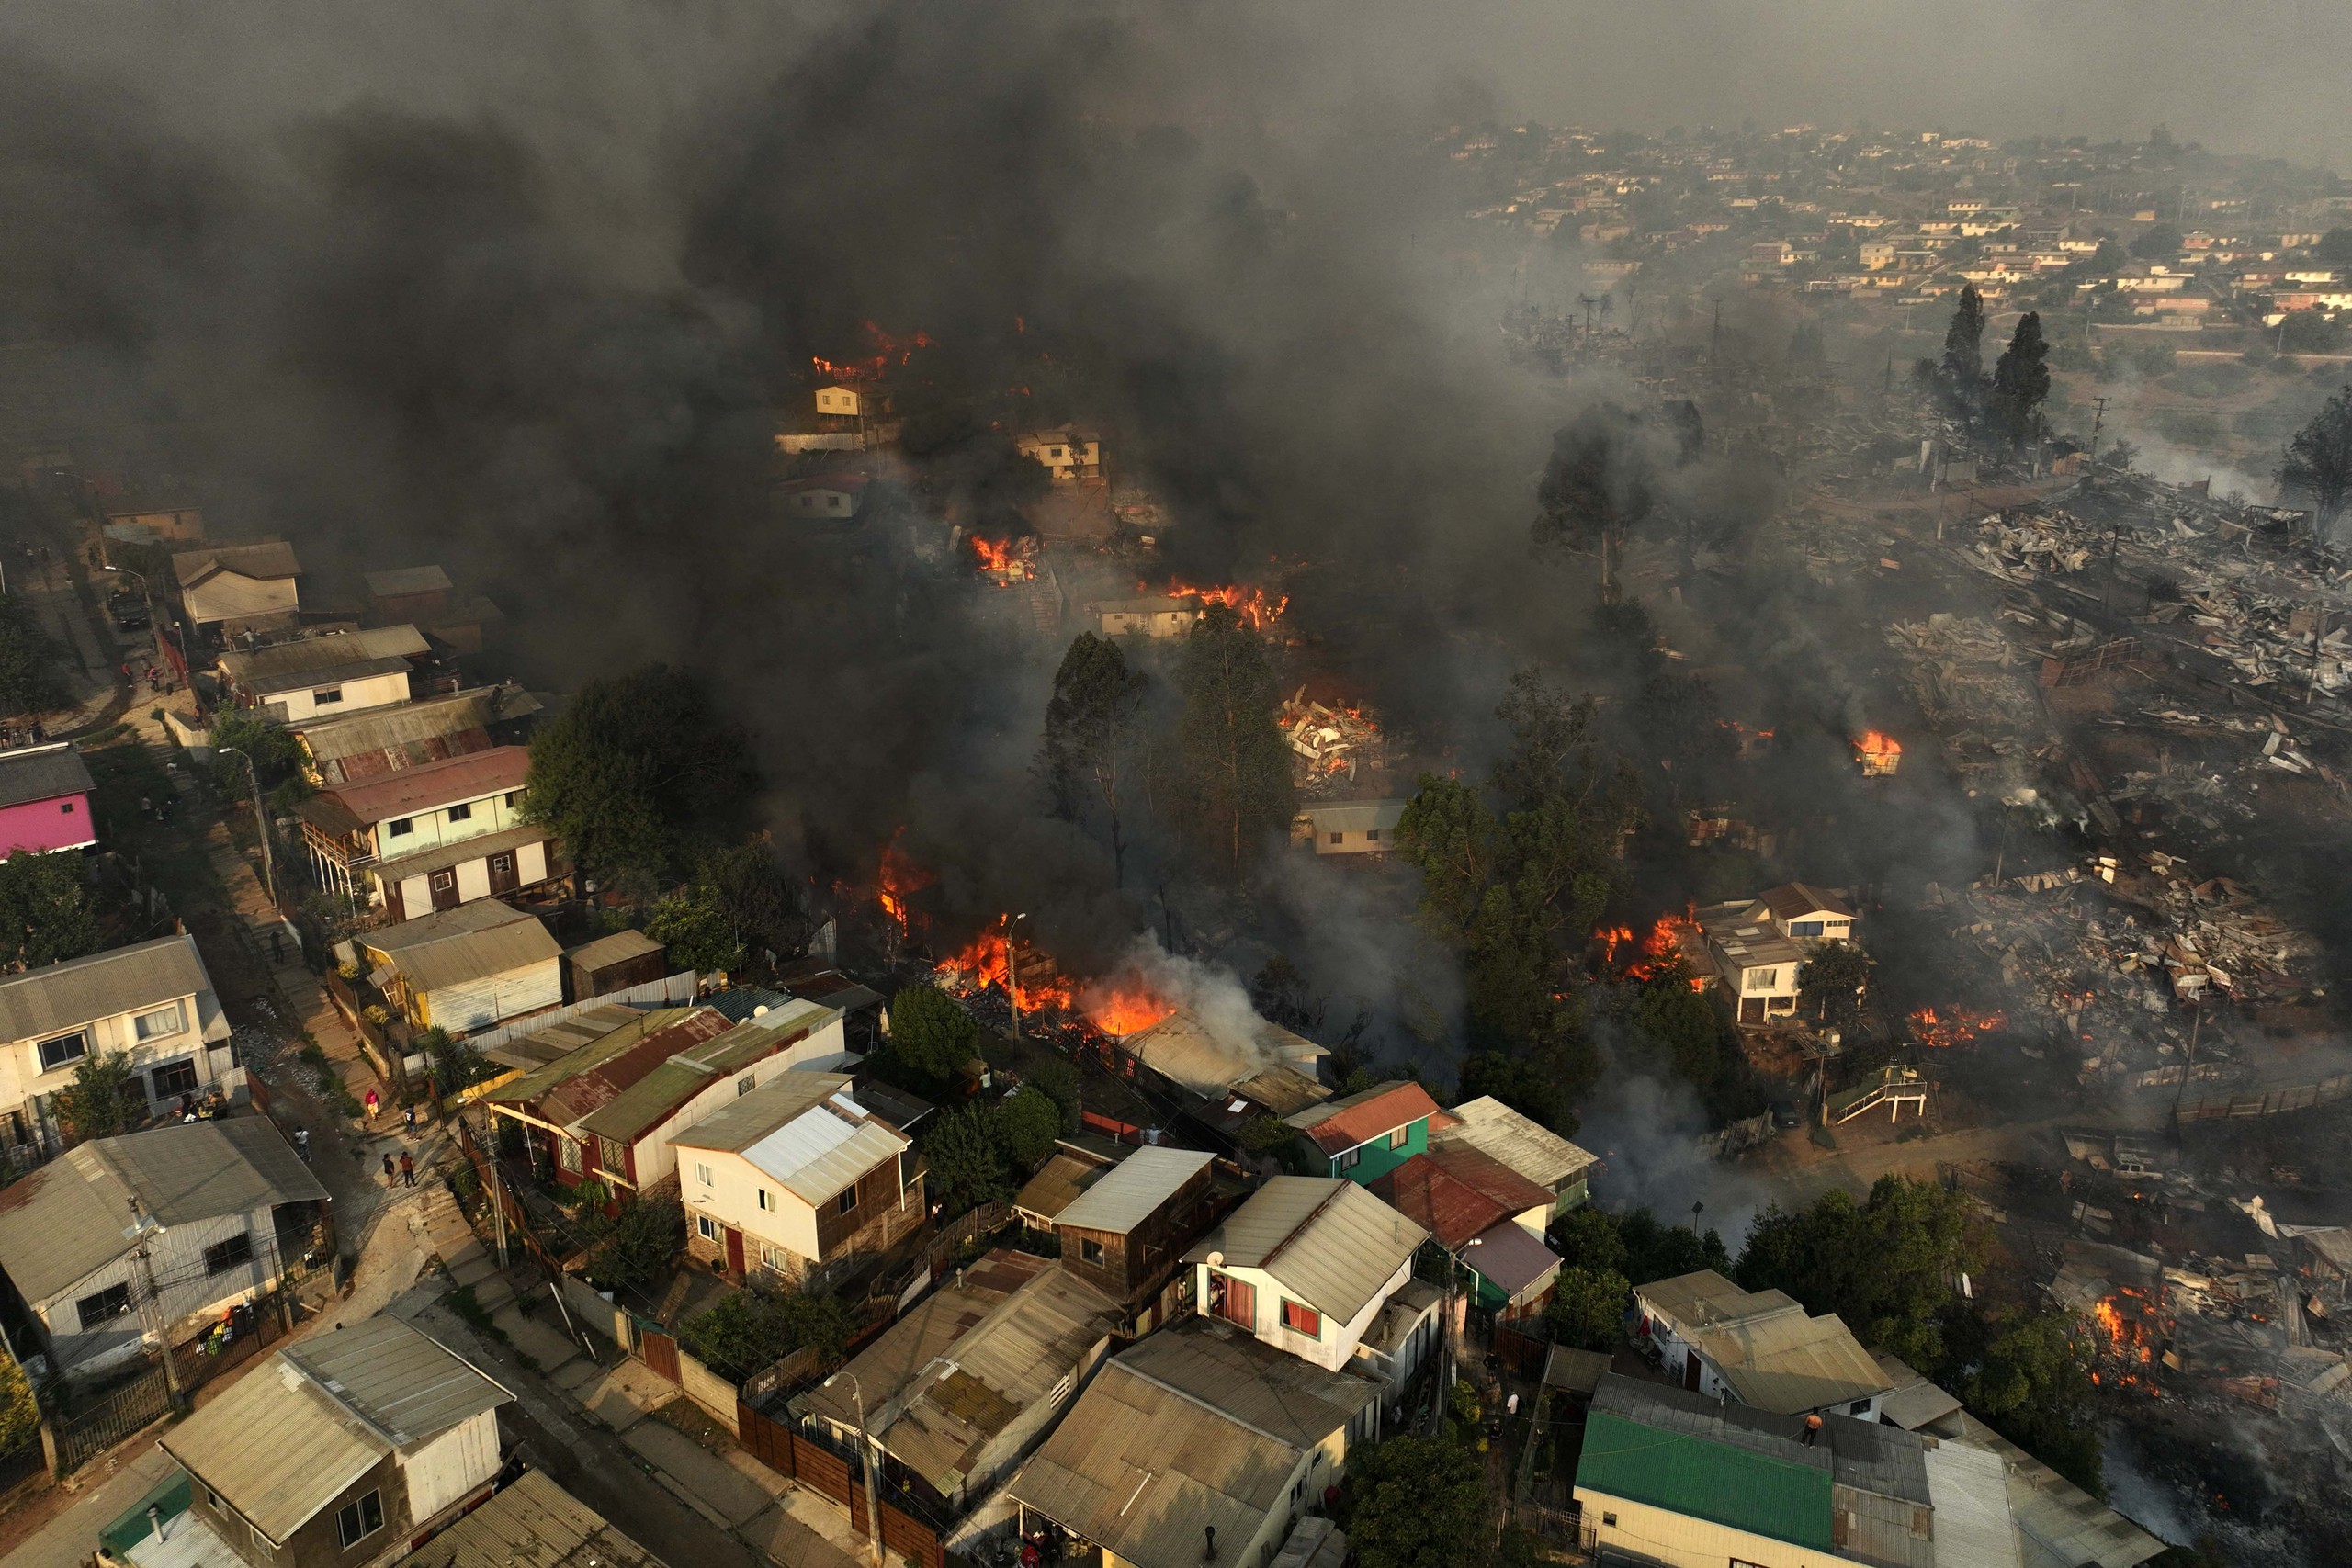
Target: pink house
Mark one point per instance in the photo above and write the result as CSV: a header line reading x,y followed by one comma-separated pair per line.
x,y
45,799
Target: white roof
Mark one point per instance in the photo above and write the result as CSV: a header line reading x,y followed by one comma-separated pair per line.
x,y
1502,1134
1969,1489
1138,1184
819,1154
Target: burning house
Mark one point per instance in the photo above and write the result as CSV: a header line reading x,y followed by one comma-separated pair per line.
x,y
1221,1058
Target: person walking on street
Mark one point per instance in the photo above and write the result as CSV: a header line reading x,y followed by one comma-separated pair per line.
x,y
373,1104
302,1144
408,1113
391,1175
408,1169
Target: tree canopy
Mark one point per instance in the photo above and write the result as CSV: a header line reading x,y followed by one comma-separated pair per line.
x,y
636,773
2021,382
2319,459
749,1331
1089,722
105,1098
1414,1503
30,682
1887,1265
694,925
1830,984
1600,485
1237,767
46,914
931,1036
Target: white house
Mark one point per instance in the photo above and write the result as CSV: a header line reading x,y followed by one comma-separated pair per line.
x,y
839,403
216,1205
1803,913
1754,963
1758,1347
1066,453
1152,616
428,837
1306,1265
796,1179
466,969
239,588
152,1000
836,497
1349,826
323,676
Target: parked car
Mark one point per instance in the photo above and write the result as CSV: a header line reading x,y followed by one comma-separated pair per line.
x,y
129,610
1785,1114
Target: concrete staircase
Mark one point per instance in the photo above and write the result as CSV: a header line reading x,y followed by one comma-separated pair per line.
x,y
471,1263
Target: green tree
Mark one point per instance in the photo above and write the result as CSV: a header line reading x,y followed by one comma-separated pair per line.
x,y
931,1036
1655,1250
19,1410
1025,1125
1057,1080
629,1249
1237,765
2319,459
277,755
105,1098
751,1330
2335,245
1447,833
1830,984
637,773
45,915
1685,1032
1415,1503
1598,487
2158,242
1267,1134
2031,1377
2021,381
967,1164
1088,723
1587,1309
759,898
694,927
30,682
1586,1239
1520,1083
1888,1265
1958,379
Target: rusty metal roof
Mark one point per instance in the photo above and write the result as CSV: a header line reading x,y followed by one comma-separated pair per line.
x,y
1458,1192
1341,1124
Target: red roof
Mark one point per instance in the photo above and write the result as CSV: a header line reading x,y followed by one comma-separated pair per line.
x,y
577,1096
412,790
1458,1193
1359,1118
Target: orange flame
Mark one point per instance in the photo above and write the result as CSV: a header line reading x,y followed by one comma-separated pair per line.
x,y
1001,555
1952,1026
895,879
984,962
1878,753
1256,610
1659,952
890,351
1124,1008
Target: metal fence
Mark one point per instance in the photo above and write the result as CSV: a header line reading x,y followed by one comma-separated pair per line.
x,y
88,1433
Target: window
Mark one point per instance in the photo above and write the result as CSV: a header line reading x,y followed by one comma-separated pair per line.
x,y
63,1049
173,1078
775,1258
1347,1160
1398,1138
613,1157
442,881
105,1307
1235,1301
702,1173
327,696
234,1253
261,1542
1302,1320
462,813
512,797
767,1200
401,827
1608,1520
1339,837
360,1518
1371,835
746,1084
162,1021
504,865
1740,1561
1090,1251
66,808
567,1152
1804,928
848,1201
705,1228
1860,1407
1763,979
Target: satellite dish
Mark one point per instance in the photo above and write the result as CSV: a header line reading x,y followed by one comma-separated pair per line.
x,y
760,1010
1216,1259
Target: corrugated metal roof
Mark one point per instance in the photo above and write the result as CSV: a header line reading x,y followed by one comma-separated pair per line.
x,y
543,1048
653,1098
401,580
2059,1524
291,1435
532,1524
755,1115
1704,1298
306,661
498,771
1512,1257
1125,1198
1208,1059
1455,1193
1527,1147
805,1129
45,1001
1343,1123
1794,900
1057,1184
42,773
1282,1090
64,1219
598,1086
382,740
1331,1244
1787,1362
1687,1454
608,950
939,1393
1913,1401
472,942
268,559
1353,816
1972,1502
1187,1430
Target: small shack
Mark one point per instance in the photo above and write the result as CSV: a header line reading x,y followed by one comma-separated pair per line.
x,y
612,963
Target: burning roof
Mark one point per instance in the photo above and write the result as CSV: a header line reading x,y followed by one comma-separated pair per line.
x,y
1210,1058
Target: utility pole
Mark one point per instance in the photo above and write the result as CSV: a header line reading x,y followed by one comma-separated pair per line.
x,y
1715,339
497,1194
2099,422
865,1448
150,1307
1013,972
261,826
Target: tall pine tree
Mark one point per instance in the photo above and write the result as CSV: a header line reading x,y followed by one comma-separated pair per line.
x,y
1084,759
2021,381
1237,765
1958,379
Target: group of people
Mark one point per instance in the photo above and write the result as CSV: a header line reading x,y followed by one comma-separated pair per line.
x,y
402,1172
160,680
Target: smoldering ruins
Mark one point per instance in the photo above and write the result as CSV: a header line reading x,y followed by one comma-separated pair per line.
x,y
1289,572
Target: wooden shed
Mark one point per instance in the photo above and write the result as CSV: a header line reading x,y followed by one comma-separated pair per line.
x,y
612,963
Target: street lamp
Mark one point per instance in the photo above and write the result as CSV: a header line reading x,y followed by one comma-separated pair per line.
x,y
260,822
1012,974
865,1447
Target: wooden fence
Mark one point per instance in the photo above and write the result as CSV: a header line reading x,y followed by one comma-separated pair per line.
x,y
2265,1101
905,1529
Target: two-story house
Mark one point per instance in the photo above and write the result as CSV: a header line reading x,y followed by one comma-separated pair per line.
x,y
217,1206
152,1000
1126,1234
1528,1148
1306,1265
797,1180
1755,965
341,749
1758,1347
1066,453
429,838
467,969
1365,1135
45,799
345,1450
592,1058
1488,1216
337,673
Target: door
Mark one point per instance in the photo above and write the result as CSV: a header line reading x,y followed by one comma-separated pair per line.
x,y
1690,1371
502,873
658,1352
735,1252
1751,1010
1235,1301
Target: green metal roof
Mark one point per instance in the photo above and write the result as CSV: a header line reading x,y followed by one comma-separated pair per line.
x,y
649,1101
1732,1486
